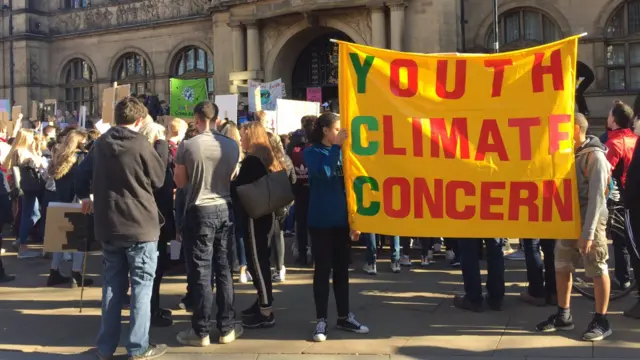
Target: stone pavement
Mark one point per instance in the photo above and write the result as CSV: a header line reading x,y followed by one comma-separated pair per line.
x,y
410,316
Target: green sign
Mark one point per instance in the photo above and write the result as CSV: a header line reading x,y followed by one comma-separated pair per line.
x,y
185,95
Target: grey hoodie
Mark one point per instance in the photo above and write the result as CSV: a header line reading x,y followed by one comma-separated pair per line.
x,y
592,187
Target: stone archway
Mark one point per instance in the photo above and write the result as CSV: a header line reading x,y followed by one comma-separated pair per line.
x,y
282,58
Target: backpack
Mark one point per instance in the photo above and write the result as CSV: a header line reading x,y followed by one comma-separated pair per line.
x,y
297,158
610,180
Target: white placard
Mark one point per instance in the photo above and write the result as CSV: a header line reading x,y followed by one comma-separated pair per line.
x,y
290,112
83,117
264,96
227,106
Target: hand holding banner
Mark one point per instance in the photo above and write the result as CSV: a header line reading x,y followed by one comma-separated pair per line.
x,y
438,141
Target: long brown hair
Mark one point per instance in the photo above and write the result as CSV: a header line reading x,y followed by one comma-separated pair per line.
x,y
65,155
257,144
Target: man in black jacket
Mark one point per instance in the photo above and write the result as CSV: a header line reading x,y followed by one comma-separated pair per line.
x,y
122,170
632,218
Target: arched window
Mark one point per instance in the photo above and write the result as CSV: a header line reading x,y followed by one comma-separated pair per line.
x,y
521,28
194,63
623,47
79,86
132,68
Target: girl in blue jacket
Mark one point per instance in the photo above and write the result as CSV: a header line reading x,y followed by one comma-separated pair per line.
x,y
328,223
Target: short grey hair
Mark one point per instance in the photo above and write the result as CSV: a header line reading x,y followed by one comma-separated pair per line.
x,y
582,122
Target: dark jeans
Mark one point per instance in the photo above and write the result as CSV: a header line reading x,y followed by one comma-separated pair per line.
x,y
470,265
207,230
330,251
541,275
258,249
1,268
302,209
632,219
163,263
581,102
30,214
239,231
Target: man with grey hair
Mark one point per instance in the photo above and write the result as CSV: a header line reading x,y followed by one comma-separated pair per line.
x,y
593,172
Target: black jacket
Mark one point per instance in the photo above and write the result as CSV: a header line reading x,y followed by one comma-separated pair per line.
x,y
123,170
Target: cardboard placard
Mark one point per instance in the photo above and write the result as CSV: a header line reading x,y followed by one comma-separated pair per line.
x,y
50,107
110,96
16,121
68,229
5,122
35,110
227,106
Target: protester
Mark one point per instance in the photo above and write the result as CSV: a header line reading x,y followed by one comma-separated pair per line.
x,y
279,249
123,171
541,275
207,226
259,161
328,224
592,170
155,134
632,217
62,171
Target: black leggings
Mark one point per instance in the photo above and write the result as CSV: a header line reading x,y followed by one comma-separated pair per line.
x,y
258,250
330,251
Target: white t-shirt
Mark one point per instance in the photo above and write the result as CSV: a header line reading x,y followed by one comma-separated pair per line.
x,y
4,150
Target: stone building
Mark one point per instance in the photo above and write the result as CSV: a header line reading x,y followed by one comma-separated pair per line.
x,y
71,50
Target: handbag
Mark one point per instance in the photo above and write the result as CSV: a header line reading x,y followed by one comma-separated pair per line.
x,y
266,195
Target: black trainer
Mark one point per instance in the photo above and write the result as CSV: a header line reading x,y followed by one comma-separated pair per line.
x,y
320,334
4,278
159,320
556,323
251,310
258,320
55,278
153,352
351,324
76,280
597,330
463,303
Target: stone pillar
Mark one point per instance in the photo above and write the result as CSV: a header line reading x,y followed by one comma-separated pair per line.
x,y
397,25
378,27
253,47
239,54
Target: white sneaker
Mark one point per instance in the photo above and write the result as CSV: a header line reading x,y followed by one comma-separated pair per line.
x,y
437,247
278,276
424,261
320,334
29,254
283,273
370,269
244,278
449,255
190,338
405,260
232,335
430,255
249,277
2,251
395,267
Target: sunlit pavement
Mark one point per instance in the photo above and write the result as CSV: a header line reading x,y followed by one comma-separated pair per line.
x,y
410,316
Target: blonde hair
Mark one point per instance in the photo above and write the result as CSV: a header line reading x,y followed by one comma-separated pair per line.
x,y
152,131
176,126
23,141
231,131
258,145
65,155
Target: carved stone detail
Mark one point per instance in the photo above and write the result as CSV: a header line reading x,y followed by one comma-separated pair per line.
x,y
34,69
273,29
131,13
359,20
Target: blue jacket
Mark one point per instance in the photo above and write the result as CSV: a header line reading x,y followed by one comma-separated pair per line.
x,y
327,198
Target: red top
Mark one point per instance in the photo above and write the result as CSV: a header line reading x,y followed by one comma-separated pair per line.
x,y
620,145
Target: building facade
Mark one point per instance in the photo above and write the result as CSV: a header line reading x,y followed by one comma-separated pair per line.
x,y
71,50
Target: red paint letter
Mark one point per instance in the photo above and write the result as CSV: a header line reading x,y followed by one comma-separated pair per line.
x,y
517,200
387,133
459,135
524,131
498,66
555,135
554,69
487,200
418,137
551,197
490,130
451,200
433,199
405,197
460,80
412,77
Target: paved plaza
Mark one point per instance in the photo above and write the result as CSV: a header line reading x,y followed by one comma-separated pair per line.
x,y
410,316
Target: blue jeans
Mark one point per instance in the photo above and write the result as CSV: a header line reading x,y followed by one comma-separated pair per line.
x,y
207,231
470,265
239,234
290,221
540,285
120,262
30,213
371,242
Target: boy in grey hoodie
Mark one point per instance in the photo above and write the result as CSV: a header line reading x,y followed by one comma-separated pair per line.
x,y
593,177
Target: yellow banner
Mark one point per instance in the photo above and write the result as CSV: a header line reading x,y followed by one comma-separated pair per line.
x,y
460,145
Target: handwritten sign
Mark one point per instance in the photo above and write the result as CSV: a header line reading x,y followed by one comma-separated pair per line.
x,y
460,145
314,94
264,96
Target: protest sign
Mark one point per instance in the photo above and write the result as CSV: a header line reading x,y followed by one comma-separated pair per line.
x,y
460,145
290,112
68,229
264,96
5,105
16,121
314,94
110,96
227,106
185,95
